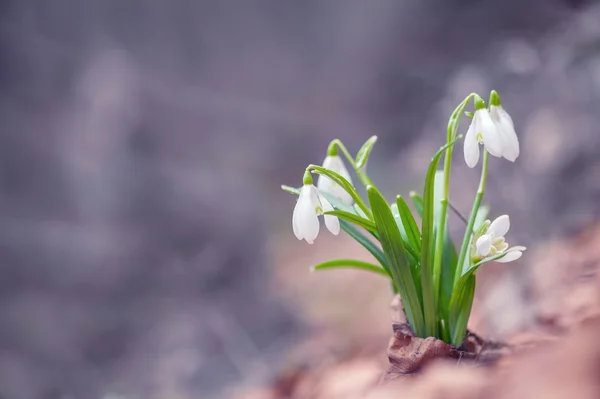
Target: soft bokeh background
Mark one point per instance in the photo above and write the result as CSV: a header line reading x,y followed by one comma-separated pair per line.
x,y
146,248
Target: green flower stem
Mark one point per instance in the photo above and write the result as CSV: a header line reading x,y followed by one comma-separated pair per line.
x,y
441,227
362,176
469,231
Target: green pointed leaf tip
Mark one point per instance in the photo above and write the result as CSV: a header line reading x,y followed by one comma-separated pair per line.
x,y
365,151
400,270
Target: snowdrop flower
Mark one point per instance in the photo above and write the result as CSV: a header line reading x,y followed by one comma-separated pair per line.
x,y
505,127
482,130
309,206
491,242
494,129
334,163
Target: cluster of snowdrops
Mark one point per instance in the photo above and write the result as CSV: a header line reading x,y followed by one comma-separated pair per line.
x,y
435,279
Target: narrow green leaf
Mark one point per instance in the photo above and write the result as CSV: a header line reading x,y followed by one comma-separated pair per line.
x,y
365,242
394,251
351,263
428,275
410,225
449,254
414,256
346,185
350,217
417,202
460,310
363,154
462,300
470,271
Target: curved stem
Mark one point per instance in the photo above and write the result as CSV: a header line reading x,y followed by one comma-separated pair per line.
x,y
469,231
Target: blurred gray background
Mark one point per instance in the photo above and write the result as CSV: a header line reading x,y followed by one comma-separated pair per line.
x,y
143,144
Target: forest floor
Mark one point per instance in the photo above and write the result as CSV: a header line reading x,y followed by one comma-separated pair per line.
x,y
547,308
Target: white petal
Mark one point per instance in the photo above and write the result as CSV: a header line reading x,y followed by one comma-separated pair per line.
x,y
328,161
500,226
326,185
486,126
307,221
336,164
331,222
506,129
483,246
510,256
511,141
295,221
471,146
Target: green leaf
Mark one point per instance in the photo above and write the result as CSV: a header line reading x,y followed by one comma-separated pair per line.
x,y
460,310
417,202
351,263
462,300
363,154
335,202
428,243
345,184
365,242
410,225
359,221
449,254
394,251
414,254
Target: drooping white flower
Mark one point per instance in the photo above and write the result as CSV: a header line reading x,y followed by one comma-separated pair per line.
x,y
326,185
482,130
494,129
506,130
309,206
491,242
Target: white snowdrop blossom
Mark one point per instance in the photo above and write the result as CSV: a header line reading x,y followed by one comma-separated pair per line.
x,y
309,206
326,185
494,129
491,242
506,131
482,130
